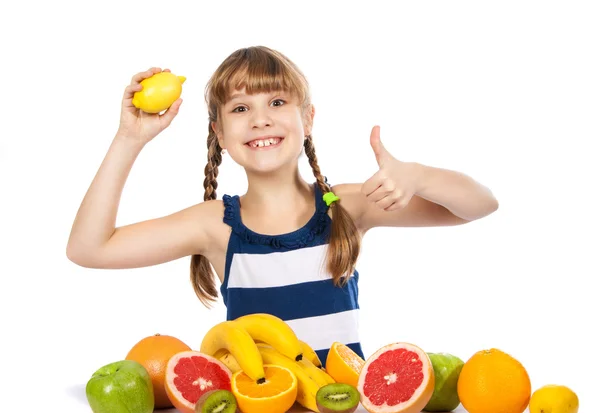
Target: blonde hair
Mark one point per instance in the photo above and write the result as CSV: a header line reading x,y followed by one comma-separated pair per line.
x,y
261,69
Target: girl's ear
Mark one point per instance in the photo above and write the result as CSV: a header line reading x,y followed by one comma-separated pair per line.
x,y
218,132
308,122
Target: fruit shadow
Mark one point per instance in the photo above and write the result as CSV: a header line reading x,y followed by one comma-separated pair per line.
x,y
77,392
459,409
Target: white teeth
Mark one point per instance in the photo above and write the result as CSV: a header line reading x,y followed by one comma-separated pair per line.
x,y
265,142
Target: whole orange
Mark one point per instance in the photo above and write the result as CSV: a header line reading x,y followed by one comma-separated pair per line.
x,y
153,353
492,381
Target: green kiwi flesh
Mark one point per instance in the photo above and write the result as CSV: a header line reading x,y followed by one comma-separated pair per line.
x,y
216,401
337,398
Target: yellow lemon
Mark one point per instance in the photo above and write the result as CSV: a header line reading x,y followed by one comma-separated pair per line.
x,y
554,398
158,92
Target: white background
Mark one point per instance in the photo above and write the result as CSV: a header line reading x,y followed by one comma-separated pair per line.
x,y
506,92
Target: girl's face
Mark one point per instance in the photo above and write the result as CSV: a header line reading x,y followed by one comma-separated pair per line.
x,y
264,131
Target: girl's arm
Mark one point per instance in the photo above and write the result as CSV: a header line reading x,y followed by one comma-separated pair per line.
x,y
411,194
95,242
446,198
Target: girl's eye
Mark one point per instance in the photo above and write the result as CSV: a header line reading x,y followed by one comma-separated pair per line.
x,y
242,107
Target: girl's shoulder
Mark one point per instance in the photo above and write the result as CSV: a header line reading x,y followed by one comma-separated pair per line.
x,y
211,234
207,217
215,211
208,212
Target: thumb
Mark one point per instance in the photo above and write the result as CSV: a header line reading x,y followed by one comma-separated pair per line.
x,y
378,148
170,114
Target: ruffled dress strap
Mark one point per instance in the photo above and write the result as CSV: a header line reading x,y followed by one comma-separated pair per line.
x,y
309,234
231,216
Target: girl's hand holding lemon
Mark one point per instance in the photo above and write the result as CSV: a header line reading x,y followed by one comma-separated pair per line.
x,y
149,93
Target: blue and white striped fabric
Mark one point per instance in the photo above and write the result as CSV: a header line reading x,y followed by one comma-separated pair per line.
x,y
285,275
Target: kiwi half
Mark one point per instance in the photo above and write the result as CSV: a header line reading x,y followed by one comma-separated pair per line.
x,y
221,401
337,398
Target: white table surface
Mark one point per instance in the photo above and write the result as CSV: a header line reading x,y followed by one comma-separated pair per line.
x,y
76,395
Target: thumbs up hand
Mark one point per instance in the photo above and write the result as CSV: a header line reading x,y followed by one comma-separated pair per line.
x,y
393,186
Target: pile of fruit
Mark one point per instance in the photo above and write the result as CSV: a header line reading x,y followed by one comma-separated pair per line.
x,y
257,364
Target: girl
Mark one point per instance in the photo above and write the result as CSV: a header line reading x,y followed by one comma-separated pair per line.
x,y
286,247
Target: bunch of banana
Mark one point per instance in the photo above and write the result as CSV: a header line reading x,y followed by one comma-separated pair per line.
x,y
310,377
230,337
240,337
280,336
274,331
250,341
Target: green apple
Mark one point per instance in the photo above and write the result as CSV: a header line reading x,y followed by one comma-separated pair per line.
x,y
121,387
447,368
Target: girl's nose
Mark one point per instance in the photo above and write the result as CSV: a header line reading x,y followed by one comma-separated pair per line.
x,y
261,118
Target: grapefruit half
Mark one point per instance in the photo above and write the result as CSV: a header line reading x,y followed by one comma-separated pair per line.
x,y
397,378
190,374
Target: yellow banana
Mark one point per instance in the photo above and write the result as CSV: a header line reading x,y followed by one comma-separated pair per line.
x,y
220,353
309,354
229,336
307,387
274,331
230,362
317,374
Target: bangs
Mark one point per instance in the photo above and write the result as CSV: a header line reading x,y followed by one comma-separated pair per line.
x,y
258,72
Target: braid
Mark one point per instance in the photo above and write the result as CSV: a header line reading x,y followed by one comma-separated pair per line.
x,y
344,240
201,274
211,170
309,148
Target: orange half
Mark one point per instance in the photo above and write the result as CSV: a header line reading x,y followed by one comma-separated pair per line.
x,y
343,364
276,395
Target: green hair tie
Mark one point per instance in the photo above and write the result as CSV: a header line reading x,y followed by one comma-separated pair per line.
x,y
330,197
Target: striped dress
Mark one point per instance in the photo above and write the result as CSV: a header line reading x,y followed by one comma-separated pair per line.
x,y
285,275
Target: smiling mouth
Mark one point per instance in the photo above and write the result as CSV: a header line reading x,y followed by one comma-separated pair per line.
x,y
264,143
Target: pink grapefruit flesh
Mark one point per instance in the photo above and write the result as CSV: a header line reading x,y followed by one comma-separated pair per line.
x,y
190,374
397,378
